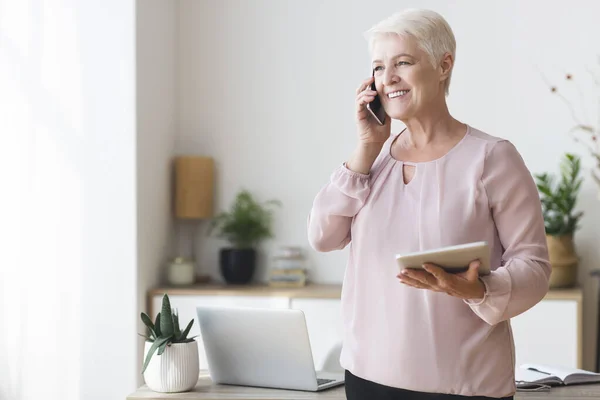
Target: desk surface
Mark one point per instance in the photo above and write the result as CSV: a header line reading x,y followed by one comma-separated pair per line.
x,y
205,390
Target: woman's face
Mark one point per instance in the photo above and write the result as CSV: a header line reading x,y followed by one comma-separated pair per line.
x,y
404,77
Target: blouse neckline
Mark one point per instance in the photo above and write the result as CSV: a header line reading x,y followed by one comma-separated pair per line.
x,y
456,146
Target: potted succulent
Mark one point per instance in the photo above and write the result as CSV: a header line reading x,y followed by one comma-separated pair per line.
x,y
561,220
244,226
171,361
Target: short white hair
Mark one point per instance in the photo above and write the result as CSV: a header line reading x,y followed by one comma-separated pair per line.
x,y
430,30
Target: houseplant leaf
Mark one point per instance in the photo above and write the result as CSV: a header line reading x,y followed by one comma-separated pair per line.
x,y
157,326
559,197
155,345
186,330
162,347
246,223
166,318
148,322
176,330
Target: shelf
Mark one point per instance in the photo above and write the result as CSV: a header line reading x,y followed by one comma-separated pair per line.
x,y
312,290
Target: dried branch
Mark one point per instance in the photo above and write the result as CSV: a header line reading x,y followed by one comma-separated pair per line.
x,y
569,105
569,77
589,148
590,130
587,128
594,76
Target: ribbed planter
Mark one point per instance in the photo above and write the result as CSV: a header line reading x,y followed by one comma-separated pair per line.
x,y
175,370
564,261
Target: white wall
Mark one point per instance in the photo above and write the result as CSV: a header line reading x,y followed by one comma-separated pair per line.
x,y
106,58
267,88
68,275
156,131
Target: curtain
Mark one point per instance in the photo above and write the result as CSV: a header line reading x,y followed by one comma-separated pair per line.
x,y
41,202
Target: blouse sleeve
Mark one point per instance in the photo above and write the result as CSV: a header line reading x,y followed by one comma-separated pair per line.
x,y
334,207
522,280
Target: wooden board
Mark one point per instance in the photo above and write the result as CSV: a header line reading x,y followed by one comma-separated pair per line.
x,y
205,390
311,290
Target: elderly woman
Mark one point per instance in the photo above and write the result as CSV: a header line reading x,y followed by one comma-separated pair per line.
x,y
428,334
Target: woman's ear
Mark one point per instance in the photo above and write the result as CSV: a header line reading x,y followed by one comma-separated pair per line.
x,y
446,66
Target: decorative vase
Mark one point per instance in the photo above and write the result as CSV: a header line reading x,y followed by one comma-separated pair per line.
x,y
175,370
237,265
563,260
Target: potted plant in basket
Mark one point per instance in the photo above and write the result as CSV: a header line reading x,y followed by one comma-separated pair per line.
x,y
560,219
171,361
246,224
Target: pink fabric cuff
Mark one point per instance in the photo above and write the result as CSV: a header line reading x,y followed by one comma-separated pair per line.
x,y
347,170
493,306
485,295
352,184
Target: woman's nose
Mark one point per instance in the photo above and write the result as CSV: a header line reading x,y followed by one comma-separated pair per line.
x,y
390,77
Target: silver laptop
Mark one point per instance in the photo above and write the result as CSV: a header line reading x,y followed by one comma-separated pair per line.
x,y
261,347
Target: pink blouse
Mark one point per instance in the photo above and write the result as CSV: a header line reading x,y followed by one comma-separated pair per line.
x,y
422,340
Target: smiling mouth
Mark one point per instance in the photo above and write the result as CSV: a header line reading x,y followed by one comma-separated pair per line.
x,y
398,93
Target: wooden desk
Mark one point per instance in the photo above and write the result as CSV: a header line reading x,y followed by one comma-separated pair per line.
x,y
205,390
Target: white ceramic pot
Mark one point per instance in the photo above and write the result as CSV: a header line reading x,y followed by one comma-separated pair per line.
x,y
175,370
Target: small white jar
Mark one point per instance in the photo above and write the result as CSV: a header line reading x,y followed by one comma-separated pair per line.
x,y
181,272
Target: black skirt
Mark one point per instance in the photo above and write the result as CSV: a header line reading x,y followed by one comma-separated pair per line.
x,y
361,389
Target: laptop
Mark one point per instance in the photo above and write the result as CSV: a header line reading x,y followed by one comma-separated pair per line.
x,y
262,347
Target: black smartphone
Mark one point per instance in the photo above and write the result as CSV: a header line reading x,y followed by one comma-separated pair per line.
x,y
375,107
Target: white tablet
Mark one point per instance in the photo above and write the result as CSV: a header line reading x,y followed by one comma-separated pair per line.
x,y
452,259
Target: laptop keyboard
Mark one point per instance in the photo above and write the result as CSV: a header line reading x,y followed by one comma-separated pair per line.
x,y
321,381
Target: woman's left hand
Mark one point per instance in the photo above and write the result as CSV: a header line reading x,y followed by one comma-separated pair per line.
x,y
465,285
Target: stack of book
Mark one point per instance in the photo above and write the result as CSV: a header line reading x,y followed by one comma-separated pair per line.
x,y
289,268
280,277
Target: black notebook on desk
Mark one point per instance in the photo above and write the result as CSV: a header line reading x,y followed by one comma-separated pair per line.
x,y
533,375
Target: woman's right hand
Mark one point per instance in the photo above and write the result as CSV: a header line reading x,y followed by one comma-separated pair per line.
x,y
370,133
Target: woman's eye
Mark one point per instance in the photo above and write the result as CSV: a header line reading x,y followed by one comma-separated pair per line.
x,y
403,63
378,68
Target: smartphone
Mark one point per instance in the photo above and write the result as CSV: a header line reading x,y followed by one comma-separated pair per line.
x,y
375,107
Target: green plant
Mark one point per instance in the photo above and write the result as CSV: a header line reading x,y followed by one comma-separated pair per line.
x,y
164,331
247,223
558,200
